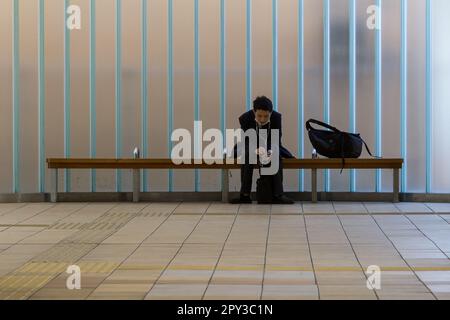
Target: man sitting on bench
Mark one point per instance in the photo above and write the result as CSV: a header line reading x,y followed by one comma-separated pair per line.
x,y
263,117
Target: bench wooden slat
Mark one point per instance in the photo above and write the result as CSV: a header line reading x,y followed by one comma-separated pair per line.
x,y
337,163
87,163
136,164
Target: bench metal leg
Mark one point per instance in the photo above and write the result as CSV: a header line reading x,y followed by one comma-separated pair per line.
x,y
54,186
225,185
314,185
136,184
396,185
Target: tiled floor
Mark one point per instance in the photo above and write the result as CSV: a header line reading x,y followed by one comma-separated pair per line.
x,y
221,251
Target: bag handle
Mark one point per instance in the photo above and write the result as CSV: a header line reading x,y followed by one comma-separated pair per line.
x,y
320,123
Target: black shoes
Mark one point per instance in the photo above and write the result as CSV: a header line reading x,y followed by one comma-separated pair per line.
x,y
241,199
282,200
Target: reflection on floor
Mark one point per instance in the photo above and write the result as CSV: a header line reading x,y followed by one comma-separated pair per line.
x,y
212,250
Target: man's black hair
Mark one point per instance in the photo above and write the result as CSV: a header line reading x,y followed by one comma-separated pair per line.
x,y
262,103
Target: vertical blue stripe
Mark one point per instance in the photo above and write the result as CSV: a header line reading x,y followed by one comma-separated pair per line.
x,y
275,54
16,96
170,86
118,91
248,62
223,113
326,77
429,97
223,119
378,92
301,91
41,93
144,93
196,90
92,91
404,93
66,95
352,85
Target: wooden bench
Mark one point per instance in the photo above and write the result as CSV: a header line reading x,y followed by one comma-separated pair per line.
x,y
137,164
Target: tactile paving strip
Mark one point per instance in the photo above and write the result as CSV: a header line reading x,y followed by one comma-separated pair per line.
x,y
109,221
25,225
29,278
63,252
36,267
34,275
154,214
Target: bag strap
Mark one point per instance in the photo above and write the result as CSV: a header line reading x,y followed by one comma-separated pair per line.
x,y
342,152
367,148
320,123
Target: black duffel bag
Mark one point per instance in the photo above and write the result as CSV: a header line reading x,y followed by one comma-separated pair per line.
x,y
335,143
264,192
264,185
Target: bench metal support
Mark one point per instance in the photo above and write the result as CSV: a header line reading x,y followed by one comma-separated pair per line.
x,y
54,185
136,184
396,185
314,185
225,185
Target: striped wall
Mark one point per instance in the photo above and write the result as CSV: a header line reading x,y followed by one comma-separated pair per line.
x,y
138,69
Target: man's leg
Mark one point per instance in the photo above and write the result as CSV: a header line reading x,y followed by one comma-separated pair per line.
x,y
246,184
278,181
246,179
278,192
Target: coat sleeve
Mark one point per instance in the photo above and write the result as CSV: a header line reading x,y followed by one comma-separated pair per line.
x,y
277,125
243,121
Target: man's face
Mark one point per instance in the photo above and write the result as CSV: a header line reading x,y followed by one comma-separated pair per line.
x,y
262,116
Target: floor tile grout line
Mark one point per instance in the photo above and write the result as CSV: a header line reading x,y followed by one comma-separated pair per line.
x,y
439,214
311,257
68,215
426,205
37,232
44,229
351,213
442,251
381,213
265,254
178,251
137,247
403,258
61,242
34,215
354,252
396,206
220,254
28,261
138,214
23,205
405,212
96,244
446,221
202,218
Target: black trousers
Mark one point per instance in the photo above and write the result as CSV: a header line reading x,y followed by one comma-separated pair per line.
x,y
247,178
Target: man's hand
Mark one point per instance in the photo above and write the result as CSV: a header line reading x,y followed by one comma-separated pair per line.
x,y
264,155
